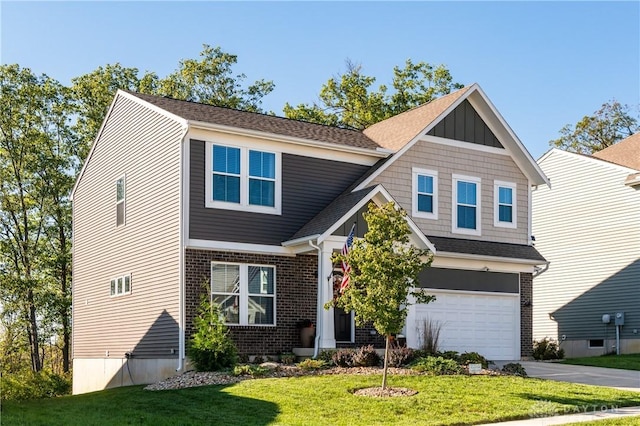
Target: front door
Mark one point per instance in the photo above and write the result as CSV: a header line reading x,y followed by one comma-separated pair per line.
x,y
343,324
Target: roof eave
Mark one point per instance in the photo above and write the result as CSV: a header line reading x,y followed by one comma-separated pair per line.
x,y
471,256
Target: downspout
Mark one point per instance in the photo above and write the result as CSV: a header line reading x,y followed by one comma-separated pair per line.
x,y
320,305
181,256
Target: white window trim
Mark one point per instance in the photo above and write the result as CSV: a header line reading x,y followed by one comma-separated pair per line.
x,y
454,203
244,181
123,293
497,184
123,201
416,171
243,296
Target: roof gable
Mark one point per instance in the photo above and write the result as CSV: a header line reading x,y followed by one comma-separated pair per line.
x,y
625,153
428,116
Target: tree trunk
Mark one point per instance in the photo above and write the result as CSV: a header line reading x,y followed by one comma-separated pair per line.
x,y
386,363
36,365
64,312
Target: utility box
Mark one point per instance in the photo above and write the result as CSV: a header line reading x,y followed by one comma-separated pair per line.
x,y
619,318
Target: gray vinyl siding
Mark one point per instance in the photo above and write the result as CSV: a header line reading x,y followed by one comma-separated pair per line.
x,y
448,160
145,147
308,185
587,226
464,124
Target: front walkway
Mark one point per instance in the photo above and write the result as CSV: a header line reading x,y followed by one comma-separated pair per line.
x,y
574,418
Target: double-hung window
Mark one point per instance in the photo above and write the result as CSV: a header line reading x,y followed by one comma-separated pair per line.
x,y
240,178
120,201
466,205
245,293
425,193
504,207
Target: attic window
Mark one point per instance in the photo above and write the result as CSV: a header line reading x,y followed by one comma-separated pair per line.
x,y
120,201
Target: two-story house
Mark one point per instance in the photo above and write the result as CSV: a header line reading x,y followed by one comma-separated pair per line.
x,y
179,199
591,236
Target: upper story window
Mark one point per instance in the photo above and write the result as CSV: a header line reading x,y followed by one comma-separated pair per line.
x,y
243,179
121,285
120,201
425,193
245,293
466,205
504,208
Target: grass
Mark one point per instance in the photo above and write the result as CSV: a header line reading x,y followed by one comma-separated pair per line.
x,y
624,362
321,400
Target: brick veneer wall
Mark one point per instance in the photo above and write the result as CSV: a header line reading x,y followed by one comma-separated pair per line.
x,y
526,317
296,298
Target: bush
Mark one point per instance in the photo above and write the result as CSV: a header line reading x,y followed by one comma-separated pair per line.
x,y
454,355
326,355
366,356
473,358
30,385
312,364
288,358
436,365
429,335
547,349
211,348
400,356
258,359
343,357
249,370
514,369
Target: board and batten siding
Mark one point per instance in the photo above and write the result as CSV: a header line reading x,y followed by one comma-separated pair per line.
x,y
587,226
447,161
308,185
144,147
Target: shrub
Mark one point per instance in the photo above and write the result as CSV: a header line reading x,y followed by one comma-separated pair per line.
x,y
400,356
429,335
547,349
211,348
436,365
29,385
343,357
514,369
287,358
454,355
249,370
258,359
473,358
312,364
326,355
366,356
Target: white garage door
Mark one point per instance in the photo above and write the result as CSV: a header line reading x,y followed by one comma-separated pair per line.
x,y
487,323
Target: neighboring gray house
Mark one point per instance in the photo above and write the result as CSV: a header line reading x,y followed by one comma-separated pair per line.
x,y
175,195
588,226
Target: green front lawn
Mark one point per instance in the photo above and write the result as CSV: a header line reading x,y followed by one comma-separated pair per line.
x,y
625,362
322,400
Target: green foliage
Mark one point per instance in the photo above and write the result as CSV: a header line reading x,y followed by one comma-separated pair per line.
x,y
287,358
211,348
400,356
473,358
607,126
326,355
514,369
436,365
366,356
250,370
312,364
449,355
30,385
546,348
349,100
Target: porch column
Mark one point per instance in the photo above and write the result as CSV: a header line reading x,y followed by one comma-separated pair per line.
x,y
327,339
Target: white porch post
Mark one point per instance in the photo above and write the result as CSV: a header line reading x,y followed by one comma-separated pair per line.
x,y
327,339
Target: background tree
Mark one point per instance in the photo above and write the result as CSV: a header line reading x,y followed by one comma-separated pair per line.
x,y
349,100
384,271
37,167
209,80
607,126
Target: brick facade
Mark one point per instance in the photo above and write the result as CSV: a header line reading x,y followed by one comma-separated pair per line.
x,y
526,315
296,298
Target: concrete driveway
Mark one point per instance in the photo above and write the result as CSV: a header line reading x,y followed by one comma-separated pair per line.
x,y
609,377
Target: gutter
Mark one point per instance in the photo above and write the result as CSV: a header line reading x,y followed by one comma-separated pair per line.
x,y
320,306
539,271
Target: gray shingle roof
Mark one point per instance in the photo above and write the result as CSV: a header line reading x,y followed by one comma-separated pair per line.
x,y
332,213
486,248
260,122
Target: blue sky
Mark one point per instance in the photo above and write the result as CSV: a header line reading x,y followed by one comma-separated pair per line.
x,y
543,64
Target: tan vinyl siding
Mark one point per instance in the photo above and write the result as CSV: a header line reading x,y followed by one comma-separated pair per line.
x,y
448,160
587,226
143,146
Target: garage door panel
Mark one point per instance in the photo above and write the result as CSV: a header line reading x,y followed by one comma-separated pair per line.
x,y
487,324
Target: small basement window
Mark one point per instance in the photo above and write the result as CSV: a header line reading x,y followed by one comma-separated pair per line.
x,y
596,343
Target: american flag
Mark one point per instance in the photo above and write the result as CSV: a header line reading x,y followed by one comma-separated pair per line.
x,y
345,266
